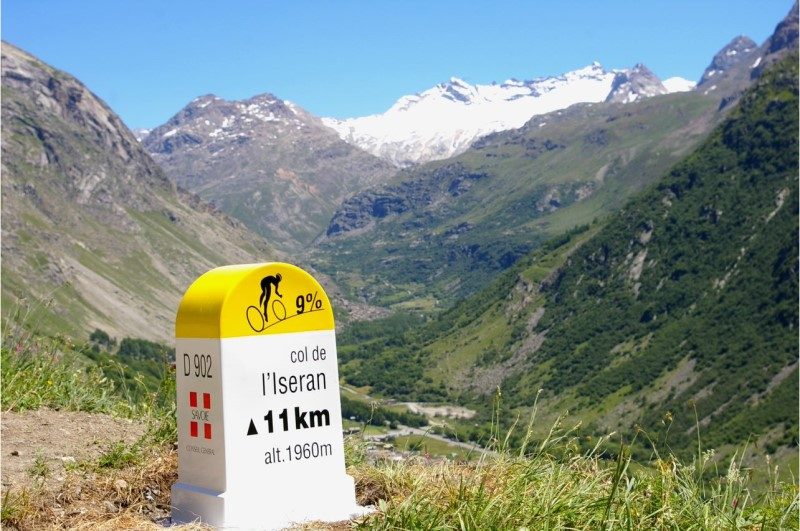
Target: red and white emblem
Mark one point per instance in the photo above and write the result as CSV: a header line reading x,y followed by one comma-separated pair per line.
x,y
200,415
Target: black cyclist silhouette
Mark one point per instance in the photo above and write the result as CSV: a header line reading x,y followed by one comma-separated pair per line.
x,y
266,291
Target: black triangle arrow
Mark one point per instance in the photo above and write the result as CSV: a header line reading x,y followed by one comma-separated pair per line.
x,y
252,429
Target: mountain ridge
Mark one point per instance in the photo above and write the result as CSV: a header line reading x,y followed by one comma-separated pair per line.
x,y
461,112
481,210
462,220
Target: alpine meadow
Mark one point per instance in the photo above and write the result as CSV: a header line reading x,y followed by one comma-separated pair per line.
x,y
566,302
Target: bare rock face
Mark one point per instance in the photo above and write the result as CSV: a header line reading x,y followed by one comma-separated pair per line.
x,y
782,41
363,209
785,35
736,52
638,82
741,61
57,110
94,235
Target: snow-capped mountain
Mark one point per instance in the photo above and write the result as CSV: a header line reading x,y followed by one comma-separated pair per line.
x,y
264,160
444,120
140,133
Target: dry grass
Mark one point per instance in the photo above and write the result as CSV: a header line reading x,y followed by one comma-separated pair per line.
x,y
133,497
505,491
136,497
580,492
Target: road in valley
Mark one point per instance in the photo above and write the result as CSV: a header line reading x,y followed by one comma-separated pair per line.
x,y
408,430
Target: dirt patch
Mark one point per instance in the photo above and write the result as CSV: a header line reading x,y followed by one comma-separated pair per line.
x,y
37,446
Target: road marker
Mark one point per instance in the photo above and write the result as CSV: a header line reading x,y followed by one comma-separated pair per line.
x,y
260,442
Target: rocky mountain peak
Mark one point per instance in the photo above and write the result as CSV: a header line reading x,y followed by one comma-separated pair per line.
x,y
734,53
458,90
264,159
638,82
783,40
210,119
785,35
205,100
592,71
269,103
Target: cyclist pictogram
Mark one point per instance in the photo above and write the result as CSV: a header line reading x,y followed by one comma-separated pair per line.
x,y
266,289
271,311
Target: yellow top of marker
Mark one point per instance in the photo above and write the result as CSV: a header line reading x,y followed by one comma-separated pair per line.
x,y
253,300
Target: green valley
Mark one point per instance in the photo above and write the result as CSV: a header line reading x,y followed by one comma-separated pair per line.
x,y
683,303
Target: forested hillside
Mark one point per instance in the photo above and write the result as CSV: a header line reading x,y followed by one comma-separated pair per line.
x,y
698,276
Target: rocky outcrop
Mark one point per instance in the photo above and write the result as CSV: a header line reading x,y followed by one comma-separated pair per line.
x,y
740,50
55,109
362,209
359,210
782,41
785,35
638,82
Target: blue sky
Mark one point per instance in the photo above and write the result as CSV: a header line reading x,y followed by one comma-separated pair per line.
x,y
148,58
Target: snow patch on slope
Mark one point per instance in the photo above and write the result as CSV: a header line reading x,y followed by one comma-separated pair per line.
x,y
678,84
